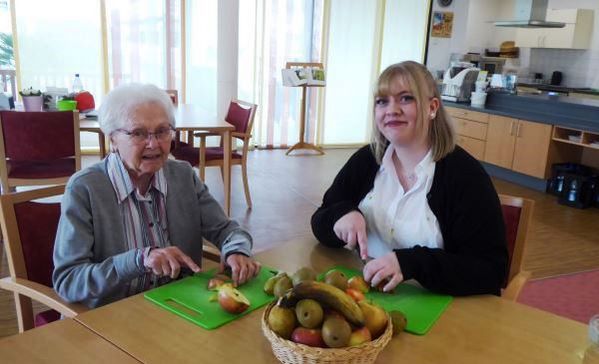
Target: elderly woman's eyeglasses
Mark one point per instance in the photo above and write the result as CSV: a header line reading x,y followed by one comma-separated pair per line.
x,y
140,136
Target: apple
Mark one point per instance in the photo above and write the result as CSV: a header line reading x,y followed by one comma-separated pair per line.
x,y
375,317
214,283
231,300
310,337
355,294
359,336
358,283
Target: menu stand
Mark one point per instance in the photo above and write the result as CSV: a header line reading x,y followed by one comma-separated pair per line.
x,y
302,144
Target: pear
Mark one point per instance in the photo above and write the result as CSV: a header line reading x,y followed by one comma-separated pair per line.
x,y
282,285
375,317
303,274
336,278
309,313
336,332
282,321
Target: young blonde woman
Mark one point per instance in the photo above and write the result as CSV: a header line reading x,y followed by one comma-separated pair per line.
x,y
412,200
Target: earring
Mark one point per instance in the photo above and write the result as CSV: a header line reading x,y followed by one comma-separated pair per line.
x,y
433,115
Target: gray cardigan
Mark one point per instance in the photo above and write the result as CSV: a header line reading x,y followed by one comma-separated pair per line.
x,y
92,261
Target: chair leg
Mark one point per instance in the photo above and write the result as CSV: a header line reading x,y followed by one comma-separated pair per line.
x,y
246,186
24,312
202,161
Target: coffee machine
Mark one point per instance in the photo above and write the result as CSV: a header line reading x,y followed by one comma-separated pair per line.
x,y
458,82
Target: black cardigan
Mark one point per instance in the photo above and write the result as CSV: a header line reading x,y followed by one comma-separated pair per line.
x,y
462,197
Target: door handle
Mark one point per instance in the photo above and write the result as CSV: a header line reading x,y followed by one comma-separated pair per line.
x,y
518,130
512,128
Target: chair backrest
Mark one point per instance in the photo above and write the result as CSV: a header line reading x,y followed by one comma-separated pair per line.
x,y
41,136
241,115
517,215
38,148
174,95
29,229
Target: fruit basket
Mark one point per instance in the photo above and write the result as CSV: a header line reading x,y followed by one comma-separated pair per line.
x,y
289,352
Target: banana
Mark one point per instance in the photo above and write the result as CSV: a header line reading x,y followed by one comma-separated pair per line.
x,y
326,294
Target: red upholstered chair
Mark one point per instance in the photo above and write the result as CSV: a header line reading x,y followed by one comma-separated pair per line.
x,y
241,115
517,214
174,95
38,148
29,229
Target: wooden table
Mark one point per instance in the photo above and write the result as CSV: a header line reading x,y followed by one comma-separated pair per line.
x,y
477,329
65,341
190,118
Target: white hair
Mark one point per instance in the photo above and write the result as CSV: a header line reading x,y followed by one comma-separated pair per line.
x,y
120,103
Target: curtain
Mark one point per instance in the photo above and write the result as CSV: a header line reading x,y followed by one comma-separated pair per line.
x,y
144,42
201,53
271,33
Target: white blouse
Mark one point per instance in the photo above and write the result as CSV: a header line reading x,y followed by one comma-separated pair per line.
x,y
399,220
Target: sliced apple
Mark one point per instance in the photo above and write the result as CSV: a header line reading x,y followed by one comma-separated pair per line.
x,y
231,300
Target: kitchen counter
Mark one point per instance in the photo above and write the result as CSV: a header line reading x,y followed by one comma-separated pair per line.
x,y
545,87
565,111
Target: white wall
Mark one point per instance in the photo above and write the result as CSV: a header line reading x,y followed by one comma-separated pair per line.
x,y
473,32
439,49
580,67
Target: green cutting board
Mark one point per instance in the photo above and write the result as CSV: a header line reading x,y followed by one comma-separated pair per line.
x,y
190,298
421,307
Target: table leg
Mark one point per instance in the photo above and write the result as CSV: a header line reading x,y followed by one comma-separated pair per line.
x,y
227,170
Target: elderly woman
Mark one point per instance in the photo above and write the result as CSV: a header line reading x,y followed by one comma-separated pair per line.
x,y
421,206
137,218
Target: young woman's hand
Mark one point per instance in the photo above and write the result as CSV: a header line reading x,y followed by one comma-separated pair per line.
x,y
351,228
383,269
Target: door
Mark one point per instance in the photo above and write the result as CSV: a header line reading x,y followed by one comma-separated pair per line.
x,y
531,148
499,149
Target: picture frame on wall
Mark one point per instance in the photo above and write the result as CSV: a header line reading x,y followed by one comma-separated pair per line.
x,y
442,24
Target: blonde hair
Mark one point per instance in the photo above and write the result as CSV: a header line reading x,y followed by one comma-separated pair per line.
x,y
418,79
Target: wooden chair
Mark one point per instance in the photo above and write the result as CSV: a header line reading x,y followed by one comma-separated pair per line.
x,y
517,214
29,230
174,95
241,115
38,148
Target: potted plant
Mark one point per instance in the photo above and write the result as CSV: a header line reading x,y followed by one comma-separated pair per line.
x,y
33,100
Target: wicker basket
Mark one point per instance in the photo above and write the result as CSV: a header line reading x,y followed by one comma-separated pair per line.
x,y
289,352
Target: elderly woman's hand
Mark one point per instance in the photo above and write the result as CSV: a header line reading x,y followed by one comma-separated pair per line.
x,y
168,261
242,268
385,268
351,228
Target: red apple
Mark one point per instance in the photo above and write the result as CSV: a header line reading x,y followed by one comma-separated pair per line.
x,y
358,283
310,337
231,300
359,336
355,294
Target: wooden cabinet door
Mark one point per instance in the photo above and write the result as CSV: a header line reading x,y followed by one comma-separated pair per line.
x,y
532,148
499,149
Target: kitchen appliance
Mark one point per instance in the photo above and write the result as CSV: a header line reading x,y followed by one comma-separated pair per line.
x,y
530,14
556,78
458,82
490,64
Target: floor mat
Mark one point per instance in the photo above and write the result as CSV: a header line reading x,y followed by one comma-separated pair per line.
x,y
575,296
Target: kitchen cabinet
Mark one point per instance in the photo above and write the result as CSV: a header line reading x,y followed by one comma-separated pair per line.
x,y
518,145
575,35
471,129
